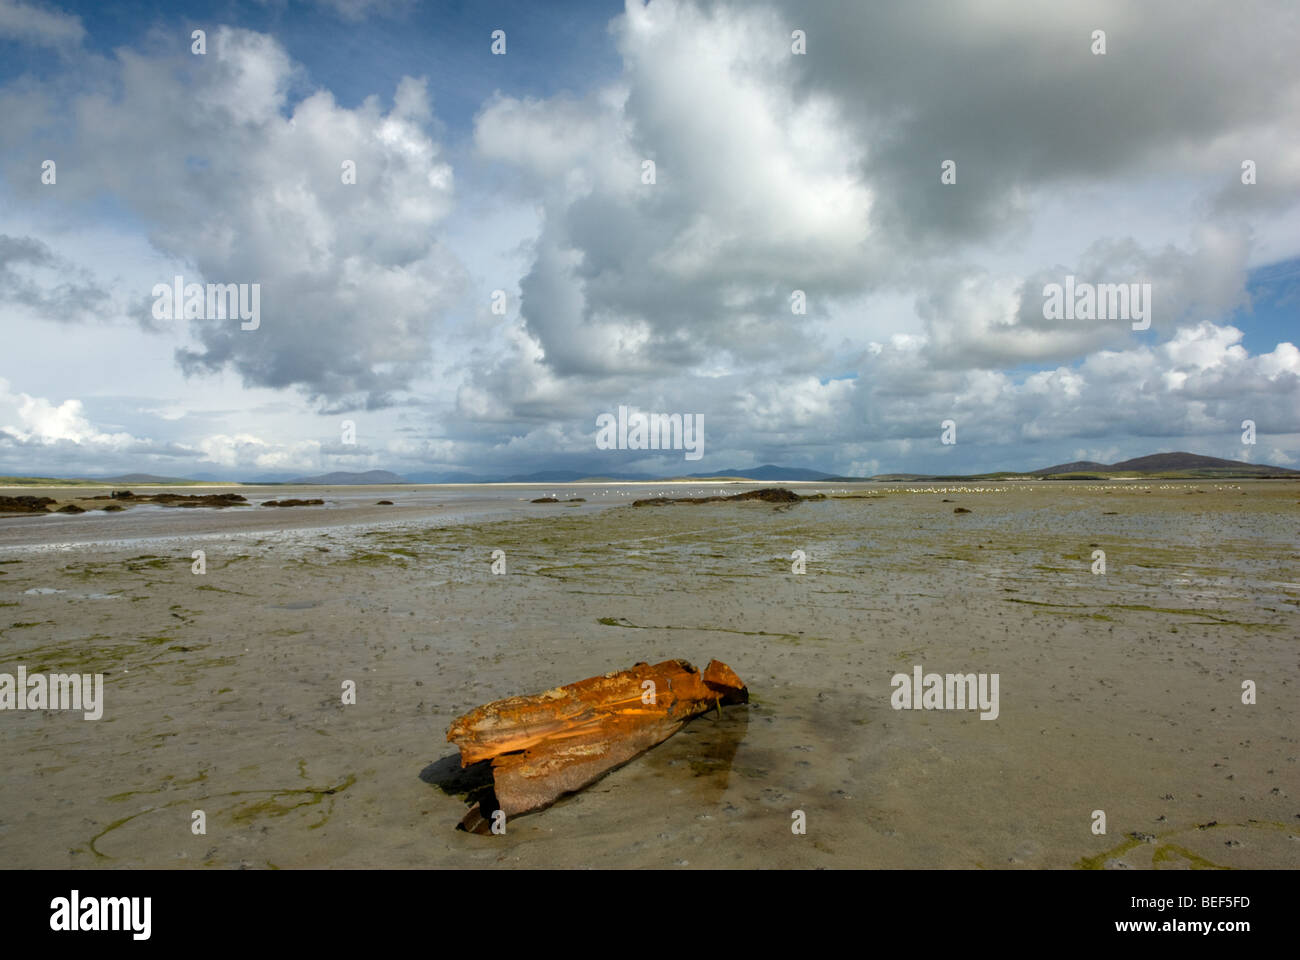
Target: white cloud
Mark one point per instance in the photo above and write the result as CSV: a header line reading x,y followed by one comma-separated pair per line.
x,y
774,173
353,279
36,420
30,23
248,451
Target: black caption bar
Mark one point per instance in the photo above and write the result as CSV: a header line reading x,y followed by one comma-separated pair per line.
x,y
329,908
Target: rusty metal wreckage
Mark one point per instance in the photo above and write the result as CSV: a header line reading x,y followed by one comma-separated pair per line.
x,y
543,746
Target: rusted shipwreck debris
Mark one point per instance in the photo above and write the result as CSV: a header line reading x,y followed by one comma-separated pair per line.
x,y
544,746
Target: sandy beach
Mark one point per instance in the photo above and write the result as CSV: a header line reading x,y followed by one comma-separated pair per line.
x,y
1119,692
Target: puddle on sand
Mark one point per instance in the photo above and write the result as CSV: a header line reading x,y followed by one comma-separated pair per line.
x,y
699,756
51,591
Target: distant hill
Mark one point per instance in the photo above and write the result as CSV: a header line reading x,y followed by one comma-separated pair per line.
x,y
342,479
40,482
132,479
1192,461
767,471
1172,465
138,478
1078,466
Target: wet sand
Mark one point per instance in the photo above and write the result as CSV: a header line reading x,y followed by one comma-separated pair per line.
x,y
1119,692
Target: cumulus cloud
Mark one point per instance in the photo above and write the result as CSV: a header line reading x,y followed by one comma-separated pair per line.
x,y
249,451
39,432
25,419
773,173
248,189
975,319
754,196
777,172
1013,94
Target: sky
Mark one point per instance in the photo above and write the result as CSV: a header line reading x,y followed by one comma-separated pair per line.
x,y
844,243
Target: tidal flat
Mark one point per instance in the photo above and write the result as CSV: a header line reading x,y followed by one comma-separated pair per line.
x,y
1120,692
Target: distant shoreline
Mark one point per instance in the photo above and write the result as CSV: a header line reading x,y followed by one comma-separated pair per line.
x,y
37,483
44,484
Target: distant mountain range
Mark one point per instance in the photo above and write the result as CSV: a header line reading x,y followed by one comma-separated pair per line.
x,y
1180,465
1171,466
768,471
138,478
1167,465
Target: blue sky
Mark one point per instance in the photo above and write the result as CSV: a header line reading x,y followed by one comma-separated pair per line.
x,y
519,182
1274,312
552,47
